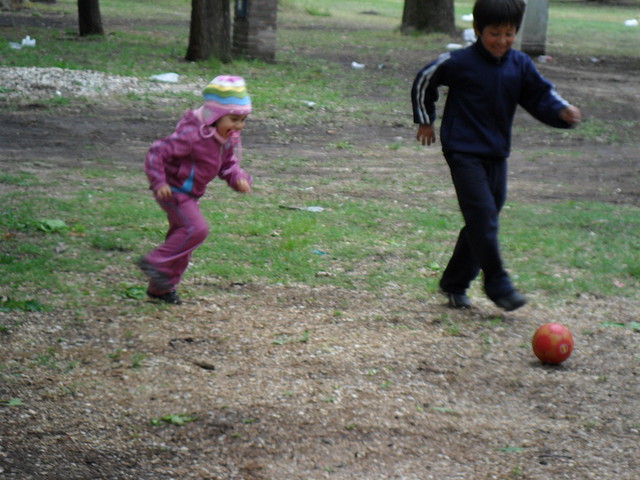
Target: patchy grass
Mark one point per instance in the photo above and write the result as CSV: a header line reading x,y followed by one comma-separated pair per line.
x,y
311,344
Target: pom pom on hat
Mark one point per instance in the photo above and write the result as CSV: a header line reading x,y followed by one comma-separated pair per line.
x,y
225,95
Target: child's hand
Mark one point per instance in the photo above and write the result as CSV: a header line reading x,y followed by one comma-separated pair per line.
x,y
571,114
163,192
426,134
243,186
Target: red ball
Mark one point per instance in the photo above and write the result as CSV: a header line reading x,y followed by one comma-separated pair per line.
x,y
552,343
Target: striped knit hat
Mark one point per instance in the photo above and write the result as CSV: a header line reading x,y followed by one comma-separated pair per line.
x,y
225,95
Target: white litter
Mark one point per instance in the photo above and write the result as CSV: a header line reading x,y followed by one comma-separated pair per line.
x,y
632,22
28,41
469,35
166,77
357,66
306,209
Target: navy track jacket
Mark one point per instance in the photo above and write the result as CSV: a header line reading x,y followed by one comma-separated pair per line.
x,y
484,92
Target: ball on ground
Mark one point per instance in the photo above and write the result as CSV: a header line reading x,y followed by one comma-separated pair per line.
x,y
552,343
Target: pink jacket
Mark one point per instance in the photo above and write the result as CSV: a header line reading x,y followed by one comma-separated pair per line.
x,y
192,156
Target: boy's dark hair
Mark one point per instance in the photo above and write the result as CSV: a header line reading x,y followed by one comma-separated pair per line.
x,y
498,12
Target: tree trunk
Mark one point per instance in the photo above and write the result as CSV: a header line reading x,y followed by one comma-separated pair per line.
x,y
89,18
428,16
210,31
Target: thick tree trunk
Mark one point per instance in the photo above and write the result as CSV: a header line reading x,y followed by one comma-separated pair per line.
x,y
89,18
210,31
428,16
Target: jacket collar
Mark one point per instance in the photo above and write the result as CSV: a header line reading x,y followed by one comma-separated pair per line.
x,y
488,55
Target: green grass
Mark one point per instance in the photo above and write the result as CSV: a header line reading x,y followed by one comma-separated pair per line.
x,y
591,130
357,241
556,248
575,247
594,29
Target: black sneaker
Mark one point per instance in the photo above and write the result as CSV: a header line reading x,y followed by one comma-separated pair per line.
x,y
157,278
511,302
457,300
169,297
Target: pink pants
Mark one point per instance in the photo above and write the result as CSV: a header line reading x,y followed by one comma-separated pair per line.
x,y
187,230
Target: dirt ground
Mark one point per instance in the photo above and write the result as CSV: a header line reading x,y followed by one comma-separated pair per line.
x,y
385,390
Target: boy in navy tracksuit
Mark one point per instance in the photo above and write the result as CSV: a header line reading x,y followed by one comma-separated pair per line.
x,y
486,81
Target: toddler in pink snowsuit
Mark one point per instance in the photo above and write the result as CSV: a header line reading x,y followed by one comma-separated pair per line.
x,y
179,167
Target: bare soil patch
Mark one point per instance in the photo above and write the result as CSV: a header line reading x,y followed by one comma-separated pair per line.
x,y
290,382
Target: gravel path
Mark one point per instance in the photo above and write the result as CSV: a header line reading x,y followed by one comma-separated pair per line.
x,y
43,83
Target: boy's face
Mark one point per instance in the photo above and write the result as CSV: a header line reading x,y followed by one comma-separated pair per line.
x,y
230,123
497,39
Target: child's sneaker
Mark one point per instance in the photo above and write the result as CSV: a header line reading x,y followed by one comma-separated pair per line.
x,y
457,300
156,277
169,297
511,302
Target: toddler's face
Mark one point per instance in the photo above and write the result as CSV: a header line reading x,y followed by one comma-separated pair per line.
x,y
230,123
497,39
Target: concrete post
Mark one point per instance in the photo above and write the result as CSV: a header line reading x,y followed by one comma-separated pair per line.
x,y
254,29
532,38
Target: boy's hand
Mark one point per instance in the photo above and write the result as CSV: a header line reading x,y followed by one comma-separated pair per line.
x,y
243,186
571,115
426,134
163,192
